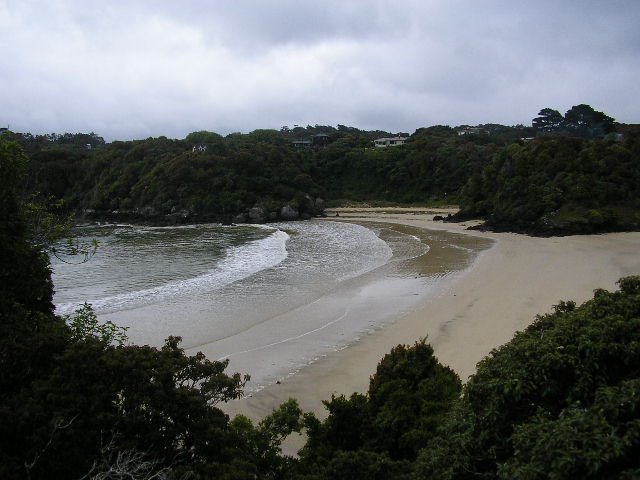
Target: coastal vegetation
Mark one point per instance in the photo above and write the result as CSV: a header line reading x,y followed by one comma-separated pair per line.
x,y
559,400
578,175
559,185
77,401
572,173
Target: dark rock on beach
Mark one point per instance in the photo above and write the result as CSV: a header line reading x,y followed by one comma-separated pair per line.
x,y
289,213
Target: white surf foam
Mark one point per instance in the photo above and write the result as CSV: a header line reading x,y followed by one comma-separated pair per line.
x,y
239,263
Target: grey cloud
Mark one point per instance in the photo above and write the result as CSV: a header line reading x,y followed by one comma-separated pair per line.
x,y
264,24
136,69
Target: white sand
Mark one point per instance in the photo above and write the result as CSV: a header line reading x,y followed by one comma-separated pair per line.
x,y
508,285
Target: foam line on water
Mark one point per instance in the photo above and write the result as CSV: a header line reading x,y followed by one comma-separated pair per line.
x,y
238,264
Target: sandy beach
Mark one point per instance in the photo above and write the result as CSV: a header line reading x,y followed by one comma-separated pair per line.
x,y
509,284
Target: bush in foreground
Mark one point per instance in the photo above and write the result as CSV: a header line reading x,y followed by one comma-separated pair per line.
x,y
560,400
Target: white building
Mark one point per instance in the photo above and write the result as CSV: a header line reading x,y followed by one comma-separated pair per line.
x,y
472,131
390,142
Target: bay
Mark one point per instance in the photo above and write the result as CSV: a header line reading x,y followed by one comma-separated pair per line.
x,y
270,299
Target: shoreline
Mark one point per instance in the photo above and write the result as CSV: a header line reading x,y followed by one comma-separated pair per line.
x,y
504,289
338,314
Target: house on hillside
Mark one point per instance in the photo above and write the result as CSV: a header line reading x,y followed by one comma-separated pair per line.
x,y
390,142
301,143
472,131
319,140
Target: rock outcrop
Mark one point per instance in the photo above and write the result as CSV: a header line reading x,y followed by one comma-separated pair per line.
x,y
289,213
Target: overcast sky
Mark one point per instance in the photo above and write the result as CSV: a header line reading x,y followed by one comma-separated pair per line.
x,y
134,69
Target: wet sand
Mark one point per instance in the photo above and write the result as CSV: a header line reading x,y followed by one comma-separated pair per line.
x,y
509,284
279,347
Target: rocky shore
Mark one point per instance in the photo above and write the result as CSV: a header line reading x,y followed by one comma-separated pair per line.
x,y
258,214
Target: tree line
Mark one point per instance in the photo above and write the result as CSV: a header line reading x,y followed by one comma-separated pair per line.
x,y
558,185
572,173
580,120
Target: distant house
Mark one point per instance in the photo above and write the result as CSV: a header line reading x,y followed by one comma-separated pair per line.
x,y
319,140
472,131
302,143
199,148
390,142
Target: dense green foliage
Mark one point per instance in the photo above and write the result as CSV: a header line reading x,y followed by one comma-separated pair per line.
x,y
432,166
210,176
571,173
24,271
561,400
560,185
158,176
380,434
76,401
581,120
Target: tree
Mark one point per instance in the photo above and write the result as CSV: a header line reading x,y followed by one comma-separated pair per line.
x,y
159,402
24,268
559,184
264,452
410,395
585,121
380,434
595,441
85,324
548,120
560,400
67,391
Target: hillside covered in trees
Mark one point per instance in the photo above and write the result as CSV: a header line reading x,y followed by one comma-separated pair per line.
x,y
575,177
576,173
206,176
560,400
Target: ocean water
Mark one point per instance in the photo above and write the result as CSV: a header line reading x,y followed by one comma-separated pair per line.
x,y
271,299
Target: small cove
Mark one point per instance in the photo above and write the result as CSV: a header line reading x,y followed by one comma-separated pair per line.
x,y
319,287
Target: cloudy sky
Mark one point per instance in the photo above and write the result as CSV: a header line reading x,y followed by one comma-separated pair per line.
x,y
134,69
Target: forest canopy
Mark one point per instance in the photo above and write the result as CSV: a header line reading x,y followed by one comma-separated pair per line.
x,y
571,173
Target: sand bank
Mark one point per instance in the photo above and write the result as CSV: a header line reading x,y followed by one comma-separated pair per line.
x,y
507,286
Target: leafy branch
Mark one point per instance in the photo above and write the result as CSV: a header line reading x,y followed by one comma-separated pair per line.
x,y
85,324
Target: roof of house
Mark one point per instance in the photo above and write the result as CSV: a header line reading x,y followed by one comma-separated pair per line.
x,y
384,139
